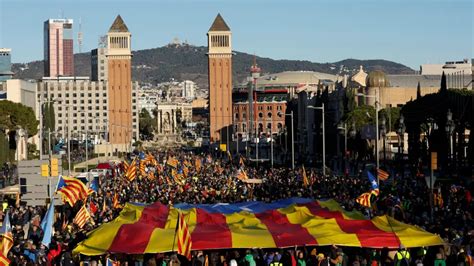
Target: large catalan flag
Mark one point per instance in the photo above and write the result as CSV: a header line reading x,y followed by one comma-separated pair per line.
x,y
285,223
4,261
183,237
72,189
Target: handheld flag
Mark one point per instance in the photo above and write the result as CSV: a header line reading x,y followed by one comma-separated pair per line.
x,y
47,224
82,217
111,263
72,189
131,173
173,162
94,185
115,201
364,199
93,208
305,178
7,235
382,174
184,238
197,164
242,175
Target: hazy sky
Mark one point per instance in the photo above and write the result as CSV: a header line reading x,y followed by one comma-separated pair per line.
x,y
411,32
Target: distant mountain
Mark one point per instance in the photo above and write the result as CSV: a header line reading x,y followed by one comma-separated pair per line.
x,y
182,61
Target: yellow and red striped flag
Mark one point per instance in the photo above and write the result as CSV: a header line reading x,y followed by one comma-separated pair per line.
x,y
131,173
142,168
197,164
364,199
382,174
115,201
82,217
241,161
151,175
305,178
173,162
72,189
242,175
184,238
125,166
4,261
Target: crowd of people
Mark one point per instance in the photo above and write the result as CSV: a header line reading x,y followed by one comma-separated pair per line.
x,y
406,198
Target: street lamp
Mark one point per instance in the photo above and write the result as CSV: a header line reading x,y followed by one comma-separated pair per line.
x,y
383,132
41,102
401,132
271,145
377,102
292,139
449,130
324,135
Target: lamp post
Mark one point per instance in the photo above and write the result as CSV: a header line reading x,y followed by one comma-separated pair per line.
x,y
383,132
376,126
343,126
271,146
324,135
449,130
41,102
292,140
401,133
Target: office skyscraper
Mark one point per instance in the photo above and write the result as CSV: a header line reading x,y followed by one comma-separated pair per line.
x,y
58,48
5,64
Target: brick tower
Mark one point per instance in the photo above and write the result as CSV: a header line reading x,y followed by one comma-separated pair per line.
x,y
219,45
119,58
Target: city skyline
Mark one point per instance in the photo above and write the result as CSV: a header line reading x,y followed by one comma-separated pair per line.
x,y
325,31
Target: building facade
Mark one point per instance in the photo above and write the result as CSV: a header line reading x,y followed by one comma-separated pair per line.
x,y
58,48
188,89
99,65
5,64
83,104
119,59
220,79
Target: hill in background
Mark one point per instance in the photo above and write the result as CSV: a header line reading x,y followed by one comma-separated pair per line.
x,y
183,61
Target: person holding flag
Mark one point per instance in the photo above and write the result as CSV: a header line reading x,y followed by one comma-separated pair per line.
x,y
7,237
366,198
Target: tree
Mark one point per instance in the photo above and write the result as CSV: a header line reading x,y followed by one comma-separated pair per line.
x,y
147,124
361,116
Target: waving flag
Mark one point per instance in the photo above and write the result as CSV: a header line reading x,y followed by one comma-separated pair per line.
x,y
47,224
72,189
197,164
305,178
241,175
142,229
382,174
115,201
184,238
173,162
82,217
7,235
131,173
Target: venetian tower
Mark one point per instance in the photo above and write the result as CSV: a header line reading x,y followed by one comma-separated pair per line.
x,y
219,45
119,58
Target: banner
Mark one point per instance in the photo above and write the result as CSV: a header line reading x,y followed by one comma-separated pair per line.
x,y
290,222
253,181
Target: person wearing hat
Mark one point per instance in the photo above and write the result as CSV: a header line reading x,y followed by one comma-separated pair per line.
x,y
322,261
402,257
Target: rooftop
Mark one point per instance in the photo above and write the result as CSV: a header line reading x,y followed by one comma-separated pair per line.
x,y
294,78
219,24
118,25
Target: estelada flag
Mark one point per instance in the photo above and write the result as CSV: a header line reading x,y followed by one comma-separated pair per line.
x,y
72,189
173,162
382,174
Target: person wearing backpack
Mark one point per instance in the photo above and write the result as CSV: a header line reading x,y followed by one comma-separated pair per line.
x,y
402,257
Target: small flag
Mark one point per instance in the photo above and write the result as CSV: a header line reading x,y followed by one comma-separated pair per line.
x,y
94,185
131,173
4,261
115,202
382,174
305,178
364,199
112,263
197,164
7,235
184,238
82,217
173,162
72,189
241,161
47,224
241,175
93,208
